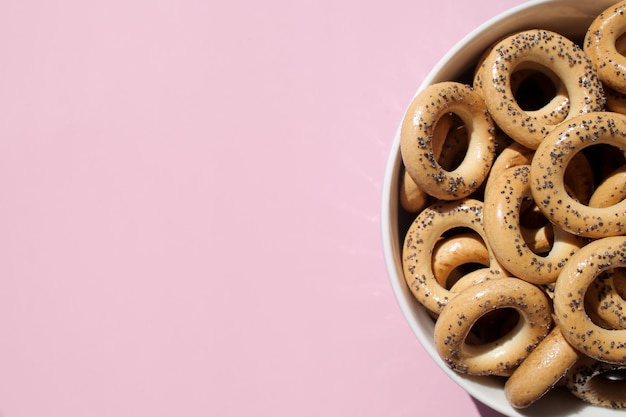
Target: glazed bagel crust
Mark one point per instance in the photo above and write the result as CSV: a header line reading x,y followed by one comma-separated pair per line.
x,y
536,49
412,198
501,356
569,305
418,136
548,171
541,371
600,45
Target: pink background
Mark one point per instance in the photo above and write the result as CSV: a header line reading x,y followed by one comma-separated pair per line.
x,y
190,198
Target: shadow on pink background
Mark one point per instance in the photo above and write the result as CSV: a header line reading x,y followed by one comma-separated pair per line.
x,y
190,196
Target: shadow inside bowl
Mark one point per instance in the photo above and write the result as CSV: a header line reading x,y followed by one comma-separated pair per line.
x,y
486,411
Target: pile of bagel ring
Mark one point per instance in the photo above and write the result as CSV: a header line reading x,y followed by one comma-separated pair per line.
x,y
516,185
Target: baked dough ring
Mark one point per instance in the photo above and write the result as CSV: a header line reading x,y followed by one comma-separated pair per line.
x,y
503,203
588,381
541,371
533,82
589,262
502,356
537,49
600,45
412,198
550,163
420,239
418,134
539,238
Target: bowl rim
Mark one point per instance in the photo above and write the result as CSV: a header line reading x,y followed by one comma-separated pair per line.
x,y
390,205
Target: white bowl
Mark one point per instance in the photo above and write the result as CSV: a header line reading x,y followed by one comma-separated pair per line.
x,y
569,18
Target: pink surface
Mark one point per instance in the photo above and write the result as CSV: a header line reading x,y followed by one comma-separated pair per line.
x,y
190,196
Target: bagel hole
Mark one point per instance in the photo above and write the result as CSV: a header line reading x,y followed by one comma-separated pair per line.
x,y
589,168
618,275
531,216
579,177
610,386
455,144
619,281
620,44
533,89
493,326
462,270
602,306
461,230
536,229
614,375
603,160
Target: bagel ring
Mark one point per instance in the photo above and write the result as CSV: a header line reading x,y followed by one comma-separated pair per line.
x,y
412,198
502,356
600,44
607,345
503,229
420,239
418,134
550,163
541,371
552,112
536,48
